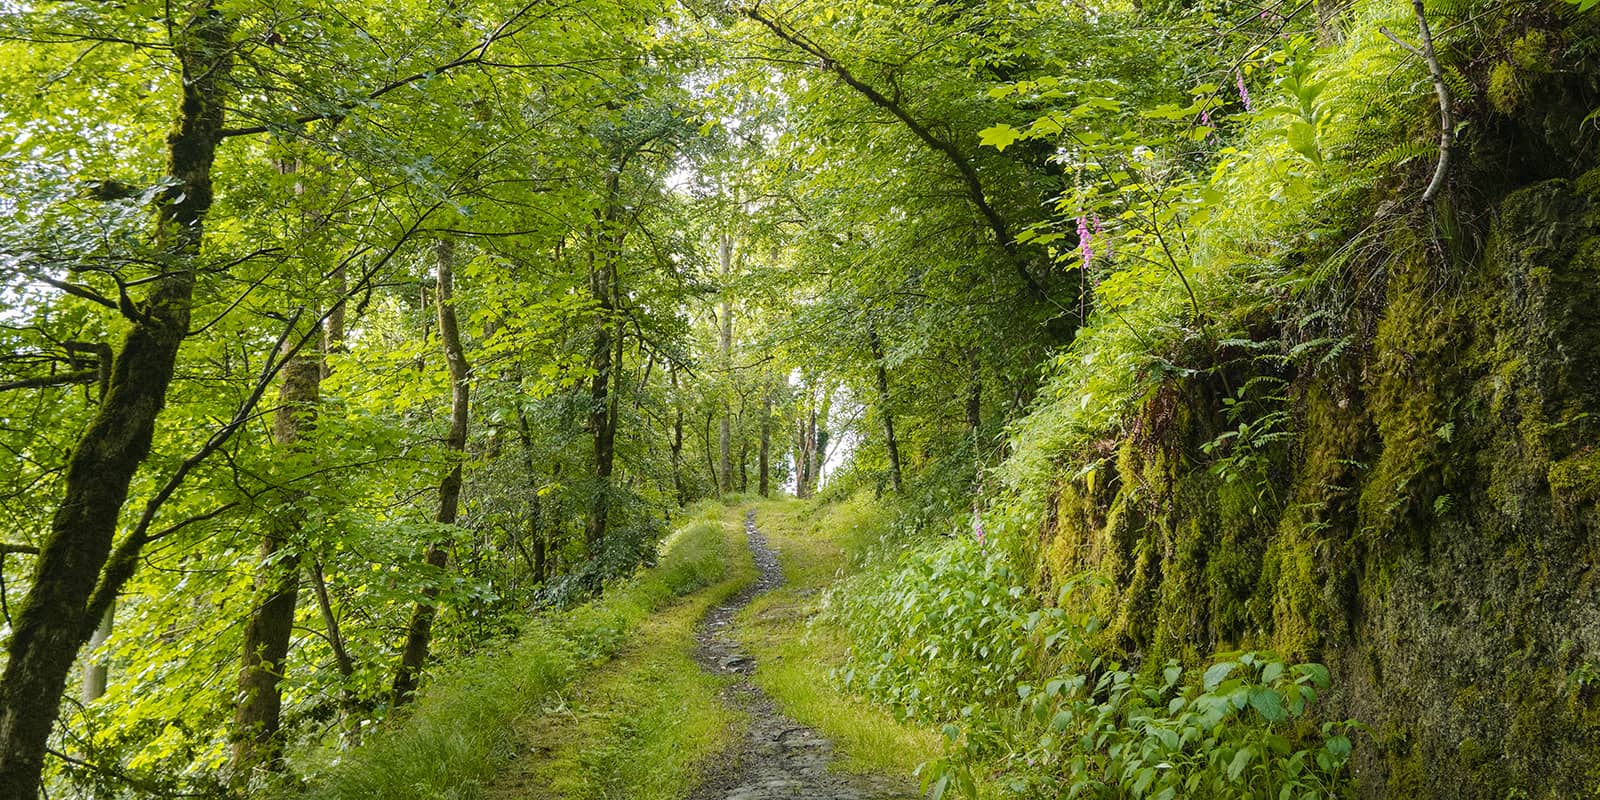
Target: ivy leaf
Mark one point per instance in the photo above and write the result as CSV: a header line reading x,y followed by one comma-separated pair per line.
x,y
999,136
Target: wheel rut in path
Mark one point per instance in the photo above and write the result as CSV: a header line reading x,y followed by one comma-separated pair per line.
x,y
778,758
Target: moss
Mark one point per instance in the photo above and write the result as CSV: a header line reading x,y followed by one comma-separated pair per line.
x,y
1575,480
1435,614
1588,184
1231,575
1299,615
1414,367
1505,88
1531,51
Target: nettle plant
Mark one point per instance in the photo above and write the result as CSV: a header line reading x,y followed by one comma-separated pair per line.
x,y
945,628
1098,730
1243,732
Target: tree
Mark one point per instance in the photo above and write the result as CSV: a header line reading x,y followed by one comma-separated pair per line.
x,y
71,586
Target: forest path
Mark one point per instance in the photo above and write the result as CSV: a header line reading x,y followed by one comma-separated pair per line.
x,y
777,758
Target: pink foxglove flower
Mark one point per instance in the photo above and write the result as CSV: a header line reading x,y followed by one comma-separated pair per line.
x,y
1244,94
977,528
1085,241
1099,233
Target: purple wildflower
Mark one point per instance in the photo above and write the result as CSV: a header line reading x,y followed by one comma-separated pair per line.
x,y
977,528
1244,94
1205,118
1099,234
1084,241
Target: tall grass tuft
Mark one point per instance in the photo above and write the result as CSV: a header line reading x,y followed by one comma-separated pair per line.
x,y
460,730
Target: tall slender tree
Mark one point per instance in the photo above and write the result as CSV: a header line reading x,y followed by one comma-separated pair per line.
x,y
419,632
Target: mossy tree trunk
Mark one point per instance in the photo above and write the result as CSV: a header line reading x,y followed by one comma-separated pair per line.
x,y
881,373
765,466
602,416
725,351
55,618
678,488
419,632
805,436
267,631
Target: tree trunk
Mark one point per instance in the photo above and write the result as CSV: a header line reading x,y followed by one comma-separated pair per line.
x,y
419,634
602,280
711,466
819,448
333,344
341,658
724,460
766,447
54,620
725,350
883,407
744,463
677,442
802,459
267,631
97,674
536,533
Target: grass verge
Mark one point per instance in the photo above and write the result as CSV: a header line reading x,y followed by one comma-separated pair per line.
x,y
639,727
463,729
795,650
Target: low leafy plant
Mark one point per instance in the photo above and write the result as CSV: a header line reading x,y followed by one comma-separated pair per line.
x,y
949,635
1242,733
945,629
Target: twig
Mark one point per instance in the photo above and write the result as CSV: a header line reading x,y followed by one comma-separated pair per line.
x,y
1446,119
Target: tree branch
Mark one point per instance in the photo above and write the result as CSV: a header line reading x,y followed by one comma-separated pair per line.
x,y
1447,124
61,379
476,56
124,559
969,174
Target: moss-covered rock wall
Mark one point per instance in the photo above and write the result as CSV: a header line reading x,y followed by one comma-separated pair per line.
x,y
1423,512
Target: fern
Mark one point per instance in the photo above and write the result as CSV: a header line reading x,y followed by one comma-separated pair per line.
x,y
1403,152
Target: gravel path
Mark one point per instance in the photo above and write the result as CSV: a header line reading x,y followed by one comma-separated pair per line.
x,y
778,759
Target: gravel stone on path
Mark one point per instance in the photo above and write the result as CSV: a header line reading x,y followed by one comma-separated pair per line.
x,y
778,759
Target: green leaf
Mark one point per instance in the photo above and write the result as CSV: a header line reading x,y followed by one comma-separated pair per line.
x,y
1216,674
1303,139
1240,760
1268,703
1315,673
1272,672
999,136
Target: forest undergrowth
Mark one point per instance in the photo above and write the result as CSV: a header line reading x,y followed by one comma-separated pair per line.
x,y
460,740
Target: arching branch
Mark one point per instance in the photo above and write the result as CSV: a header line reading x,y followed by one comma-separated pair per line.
x,y
972,184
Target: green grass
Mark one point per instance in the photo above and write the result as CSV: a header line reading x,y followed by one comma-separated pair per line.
x,y
640,726
795,651
462,730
